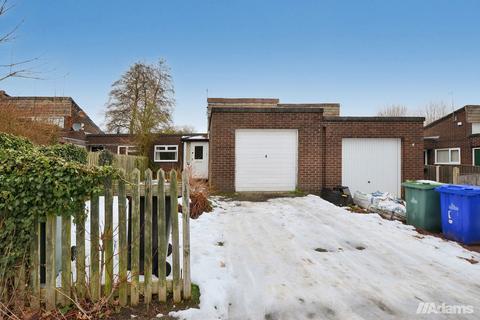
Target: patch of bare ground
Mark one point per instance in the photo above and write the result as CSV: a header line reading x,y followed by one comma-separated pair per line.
x,y
259,196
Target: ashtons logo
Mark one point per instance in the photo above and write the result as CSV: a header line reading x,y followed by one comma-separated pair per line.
x,y
433,308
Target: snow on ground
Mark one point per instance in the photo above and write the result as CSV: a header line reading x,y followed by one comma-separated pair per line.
x,y
257,260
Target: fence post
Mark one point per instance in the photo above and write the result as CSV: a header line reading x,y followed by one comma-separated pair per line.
x,y
108,237
35,267
147,266
66,260
456,175
50,230
175,237
123,241
437,173
135,250
187,285
94,249
80,254
162,238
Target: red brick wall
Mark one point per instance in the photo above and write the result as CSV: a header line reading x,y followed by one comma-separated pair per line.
x,y
311,134
222,145
410,133
452,136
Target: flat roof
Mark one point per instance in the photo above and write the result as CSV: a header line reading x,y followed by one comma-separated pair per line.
x,y
374,119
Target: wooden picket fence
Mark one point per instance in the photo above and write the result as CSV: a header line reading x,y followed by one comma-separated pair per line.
x,y
128,289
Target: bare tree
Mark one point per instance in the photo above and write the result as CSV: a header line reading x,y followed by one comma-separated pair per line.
x,y
180,129
19,69
434,111
393,110
141,102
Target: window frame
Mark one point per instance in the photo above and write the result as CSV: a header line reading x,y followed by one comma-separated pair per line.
x,y
476,124
473,154
195,154
127,151
449,156
166,146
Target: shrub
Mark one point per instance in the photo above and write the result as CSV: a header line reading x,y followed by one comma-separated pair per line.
x,y
199,193
68,152
35,182
105,158
8,141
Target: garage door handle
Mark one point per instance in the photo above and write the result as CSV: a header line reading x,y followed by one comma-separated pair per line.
x,y
265,156
368,181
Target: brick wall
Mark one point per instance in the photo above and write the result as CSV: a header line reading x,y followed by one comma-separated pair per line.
x,y
48,108
410,133
222,144
314,134
451,135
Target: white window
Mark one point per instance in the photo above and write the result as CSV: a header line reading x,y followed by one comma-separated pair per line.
x,y
128,150
475,127
447,156
166,153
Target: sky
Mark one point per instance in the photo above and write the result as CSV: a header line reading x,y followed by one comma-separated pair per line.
x,y
364,55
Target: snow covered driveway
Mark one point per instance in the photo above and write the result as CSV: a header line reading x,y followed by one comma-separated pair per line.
x,y
303,258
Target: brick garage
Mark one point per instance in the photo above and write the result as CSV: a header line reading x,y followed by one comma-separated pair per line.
x,y
225,121
319,139
409,130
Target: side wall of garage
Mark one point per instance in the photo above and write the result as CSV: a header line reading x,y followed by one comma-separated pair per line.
x,y
224,122
409,130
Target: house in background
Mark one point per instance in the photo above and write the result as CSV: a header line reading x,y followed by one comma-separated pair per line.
x,y
64,112
263,145
168,151
454,139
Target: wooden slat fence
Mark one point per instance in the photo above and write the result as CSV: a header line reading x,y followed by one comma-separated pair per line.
x,y
458,174
128,163
124,283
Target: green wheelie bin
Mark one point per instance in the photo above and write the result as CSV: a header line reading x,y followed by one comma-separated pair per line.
x,y
423,205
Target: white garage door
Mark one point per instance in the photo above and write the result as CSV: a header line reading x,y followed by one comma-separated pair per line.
x,y
370,165
265,160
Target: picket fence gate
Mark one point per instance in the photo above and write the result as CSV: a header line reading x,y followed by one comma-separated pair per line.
x,y
90,286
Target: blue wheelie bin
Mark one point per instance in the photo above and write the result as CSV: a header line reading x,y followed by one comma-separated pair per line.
x,y
460,208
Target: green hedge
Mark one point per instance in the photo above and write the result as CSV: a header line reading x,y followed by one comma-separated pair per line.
x,y
68,152
35,182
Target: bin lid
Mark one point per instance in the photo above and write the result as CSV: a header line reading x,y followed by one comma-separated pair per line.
x,y
463,190
421,184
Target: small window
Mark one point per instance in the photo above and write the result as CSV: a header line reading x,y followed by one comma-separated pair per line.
x,y
96,148
475,127
166,153
128,150
447,156
198,153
